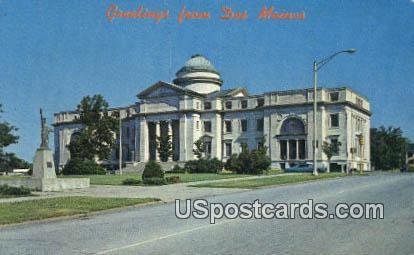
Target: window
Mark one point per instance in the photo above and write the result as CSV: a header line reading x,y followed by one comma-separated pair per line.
x,y
334,120
334,143
334,96
207,146
197,124
260,145
227,126
259,124
207,126
228,105
127,132
207,105
260,102
197,105
244,104
227,149
243,124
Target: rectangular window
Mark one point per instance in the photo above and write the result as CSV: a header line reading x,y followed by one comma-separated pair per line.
x,y
243,124
244,104
227,149
207,126
207,145
227,126
259,124
207,105
229,105
334,96
197,125
127,132
334,143
334,120
197,105
260,102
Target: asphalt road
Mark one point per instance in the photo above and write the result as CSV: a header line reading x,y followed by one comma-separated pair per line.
x,y
156,230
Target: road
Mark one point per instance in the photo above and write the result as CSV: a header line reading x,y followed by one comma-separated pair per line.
x,y
156,230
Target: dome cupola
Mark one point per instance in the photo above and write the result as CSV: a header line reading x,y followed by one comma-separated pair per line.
x,y
198,74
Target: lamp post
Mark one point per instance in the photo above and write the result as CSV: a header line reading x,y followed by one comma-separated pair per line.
x,y
317,65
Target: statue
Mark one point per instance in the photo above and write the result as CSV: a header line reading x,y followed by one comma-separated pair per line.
x,y
44,131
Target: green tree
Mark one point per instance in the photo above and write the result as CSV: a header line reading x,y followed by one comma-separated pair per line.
x,y
164,147
388,147
7,136
96,137
200,148
330,149
9,161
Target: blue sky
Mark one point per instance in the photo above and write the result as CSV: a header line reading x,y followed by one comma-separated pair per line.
x,y
55,52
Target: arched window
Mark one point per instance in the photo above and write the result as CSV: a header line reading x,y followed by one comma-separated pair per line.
x,y
292,126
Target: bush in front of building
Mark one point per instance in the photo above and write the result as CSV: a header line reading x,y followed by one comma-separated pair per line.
x,y
6,190
153,174
248,162
177,170
131,182
77,166
204,165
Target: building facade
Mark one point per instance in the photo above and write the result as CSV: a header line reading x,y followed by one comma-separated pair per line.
x,y
194,107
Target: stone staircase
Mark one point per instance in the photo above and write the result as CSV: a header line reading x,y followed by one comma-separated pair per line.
x,y
138,167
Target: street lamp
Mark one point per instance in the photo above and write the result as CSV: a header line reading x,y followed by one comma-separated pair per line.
x,y
317,65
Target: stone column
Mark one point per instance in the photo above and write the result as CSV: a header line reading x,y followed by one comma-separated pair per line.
x,y
297,149
169,123
287,150
157,134
183,137
144,140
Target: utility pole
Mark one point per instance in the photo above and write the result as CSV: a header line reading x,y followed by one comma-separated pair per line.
x,y
120,143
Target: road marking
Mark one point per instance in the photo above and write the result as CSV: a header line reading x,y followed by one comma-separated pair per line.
x,y
163,237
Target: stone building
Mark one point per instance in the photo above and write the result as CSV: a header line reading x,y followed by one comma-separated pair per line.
x,y
194,106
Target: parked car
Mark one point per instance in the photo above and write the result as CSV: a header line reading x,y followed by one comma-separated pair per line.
x,y
303,168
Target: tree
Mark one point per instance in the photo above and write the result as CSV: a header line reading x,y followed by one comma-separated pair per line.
x,y
9,161
330,149
96,137
200,148
6,133
164,147
388,147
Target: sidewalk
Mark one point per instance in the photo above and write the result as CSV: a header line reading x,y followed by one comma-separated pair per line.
x,y
166,193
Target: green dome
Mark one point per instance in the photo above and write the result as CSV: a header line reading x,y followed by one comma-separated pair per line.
x,y
197,63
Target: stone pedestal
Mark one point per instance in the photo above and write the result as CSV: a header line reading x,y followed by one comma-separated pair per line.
x,y
43,165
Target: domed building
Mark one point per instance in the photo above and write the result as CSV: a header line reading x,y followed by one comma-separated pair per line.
x,y
194,106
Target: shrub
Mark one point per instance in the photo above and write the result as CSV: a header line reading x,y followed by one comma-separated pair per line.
x,y
77,166
131,182
232,164
153,174
155,181
177,170
14,191
260,162
172,179
203,165
253,162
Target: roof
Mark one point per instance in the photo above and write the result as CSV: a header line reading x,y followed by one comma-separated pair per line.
x,y
198,62
159,84
227,93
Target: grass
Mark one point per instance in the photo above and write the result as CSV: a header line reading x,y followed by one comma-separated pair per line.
x,y
117,179
277,180
16,212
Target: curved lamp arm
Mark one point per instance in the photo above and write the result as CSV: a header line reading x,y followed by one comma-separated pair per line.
x,y
320,64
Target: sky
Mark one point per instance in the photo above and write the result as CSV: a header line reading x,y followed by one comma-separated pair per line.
x,y
52,53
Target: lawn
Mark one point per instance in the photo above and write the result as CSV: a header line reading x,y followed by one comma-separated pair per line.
x,y
277,180
117,179
16,212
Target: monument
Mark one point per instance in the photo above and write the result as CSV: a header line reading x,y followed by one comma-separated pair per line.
x,y
43,165
44,175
